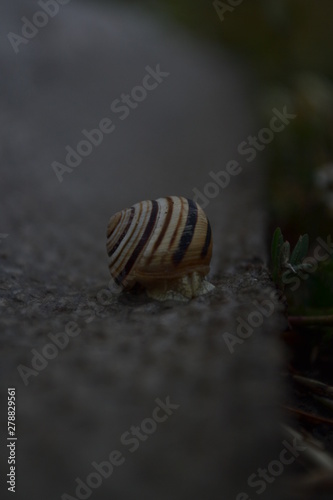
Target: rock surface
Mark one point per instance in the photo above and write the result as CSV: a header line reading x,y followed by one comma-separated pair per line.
x,y
126,352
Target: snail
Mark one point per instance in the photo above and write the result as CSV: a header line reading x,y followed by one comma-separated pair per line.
x,y
163,246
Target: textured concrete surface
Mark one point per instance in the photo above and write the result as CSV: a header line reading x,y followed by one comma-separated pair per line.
x,y
130,351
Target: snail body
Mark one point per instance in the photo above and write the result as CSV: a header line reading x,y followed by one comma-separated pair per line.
x,y
163,245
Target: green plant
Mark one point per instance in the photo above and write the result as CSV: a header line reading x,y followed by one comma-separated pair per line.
x,y
285,264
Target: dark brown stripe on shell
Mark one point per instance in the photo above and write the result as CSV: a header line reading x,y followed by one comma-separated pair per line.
x,y
163,230
207,241
123,234
173,237
188,232
136,252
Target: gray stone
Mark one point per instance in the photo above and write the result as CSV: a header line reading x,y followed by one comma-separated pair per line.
x,y
130,351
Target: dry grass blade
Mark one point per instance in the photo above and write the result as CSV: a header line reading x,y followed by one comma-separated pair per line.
x,y
311,320
325,401
315,456
309,417
315,385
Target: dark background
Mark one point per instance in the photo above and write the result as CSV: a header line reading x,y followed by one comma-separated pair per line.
x,y
225,77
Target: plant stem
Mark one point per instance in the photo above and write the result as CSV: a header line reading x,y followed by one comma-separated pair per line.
x,y
311,320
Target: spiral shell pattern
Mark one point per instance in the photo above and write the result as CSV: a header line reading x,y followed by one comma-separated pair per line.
x,y
156,243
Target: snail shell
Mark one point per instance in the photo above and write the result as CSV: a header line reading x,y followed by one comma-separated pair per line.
x,y
164,245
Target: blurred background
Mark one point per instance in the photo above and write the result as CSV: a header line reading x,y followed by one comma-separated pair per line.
x,y
287,46
229,67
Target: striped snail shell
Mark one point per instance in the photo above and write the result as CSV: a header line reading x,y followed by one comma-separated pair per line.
x,y
163,245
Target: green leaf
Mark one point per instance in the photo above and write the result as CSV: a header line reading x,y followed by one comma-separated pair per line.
x,y
284,254
300,251
277,242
